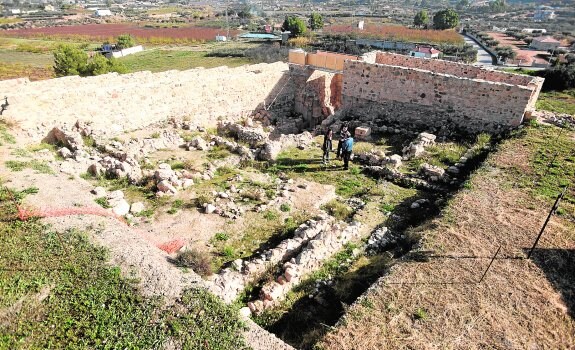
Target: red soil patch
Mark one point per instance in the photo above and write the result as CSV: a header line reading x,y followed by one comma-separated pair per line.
x,y
104,31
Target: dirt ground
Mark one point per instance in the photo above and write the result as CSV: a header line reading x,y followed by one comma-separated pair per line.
x,y
525,56
436,302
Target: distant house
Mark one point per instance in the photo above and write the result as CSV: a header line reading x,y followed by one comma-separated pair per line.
x,y
49,8
102,13
424,52
544,13
544,43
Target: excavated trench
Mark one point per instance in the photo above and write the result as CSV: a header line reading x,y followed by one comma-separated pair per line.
x,y
326,297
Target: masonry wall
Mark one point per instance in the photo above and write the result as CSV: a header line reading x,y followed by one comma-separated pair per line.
x,y
131,101
452,68
375,91
317,94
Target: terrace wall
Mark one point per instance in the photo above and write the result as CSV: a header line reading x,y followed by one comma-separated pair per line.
x,y
424,98
131,101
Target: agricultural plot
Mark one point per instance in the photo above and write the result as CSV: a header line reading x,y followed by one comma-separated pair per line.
x,y
150,35
399,33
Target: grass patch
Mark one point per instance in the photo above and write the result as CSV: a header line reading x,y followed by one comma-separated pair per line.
x,y
159,60
5,136
557,101
77,300
39,166
307,164
218,152
338,210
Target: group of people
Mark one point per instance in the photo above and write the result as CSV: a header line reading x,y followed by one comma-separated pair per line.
x,y
344,145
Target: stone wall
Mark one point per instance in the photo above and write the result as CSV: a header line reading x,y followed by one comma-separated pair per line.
x,y
457,69
376,91
131,101
317,93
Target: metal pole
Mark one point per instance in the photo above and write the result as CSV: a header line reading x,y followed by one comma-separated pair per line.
x,y
551,212
490,263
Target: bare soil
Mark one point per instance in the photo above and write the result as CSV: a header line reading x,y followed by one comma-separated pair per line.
x,y
437,302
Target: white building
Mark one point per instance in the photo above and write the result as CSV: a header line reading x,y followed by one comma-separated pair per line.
x,y
102,13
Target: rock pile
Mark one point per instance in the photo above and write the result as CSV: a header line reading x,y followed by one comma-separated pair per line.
x,y
417,147
168,181
321,247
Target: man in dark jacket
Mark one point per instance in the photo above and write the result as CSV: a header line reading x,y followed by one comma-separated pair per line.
x,y
327,139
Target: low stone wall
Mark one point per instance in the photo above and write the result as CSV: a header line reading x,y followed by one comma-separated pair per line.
x,y
117,103
409,95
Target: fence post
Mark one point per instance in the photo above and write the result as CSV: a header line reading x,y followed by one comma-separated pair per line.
x,y
551,212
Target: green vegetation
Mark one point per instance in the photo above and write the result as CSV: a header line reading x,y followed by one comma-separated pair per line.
x,y
159,60
338,209
552,163
445,19
197,260
315,21
70,60
557,101
298,163
5,136
421,18
285,207
77,300
39,166
294,25
103,202
125,41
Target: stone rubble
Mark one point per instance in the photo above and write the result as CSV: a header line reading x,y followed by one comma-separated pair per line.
x,y
417,147
232,281
322,246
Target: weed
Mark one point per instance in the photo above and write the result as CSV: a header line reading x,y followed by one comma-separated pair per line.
x,y
365,302
221,236
338,210
199,261
103,202
155,135
218,152
420,314
89,141
229,252
39,166
285,207
271,215
387,207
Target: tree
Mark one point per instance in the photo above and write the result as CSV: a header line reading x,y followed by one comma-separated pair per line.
x,y
69,60
315,21
505,52
446,19
421,18
125,41
295,25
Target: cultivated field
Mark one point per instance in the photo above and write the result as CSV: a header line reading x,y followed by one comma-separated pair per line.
x,y
399,33
110,31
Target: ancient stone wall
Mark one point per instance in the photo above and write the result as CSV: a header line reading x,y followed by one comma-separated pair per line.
x,y
418,96
317,93
130,101
452,68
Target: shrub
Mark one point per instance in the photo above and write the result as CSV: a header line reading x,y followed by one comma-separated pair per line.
x,y
285,207
338,210
197,260
221,236
125,41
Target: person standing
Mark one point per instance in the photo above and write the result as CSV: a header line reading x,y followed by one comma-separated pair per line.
x,y
347,148
343,134
327,142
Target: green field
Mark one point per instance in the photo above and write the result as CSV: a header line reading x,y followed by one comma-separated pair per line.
x,y
158,60
558,101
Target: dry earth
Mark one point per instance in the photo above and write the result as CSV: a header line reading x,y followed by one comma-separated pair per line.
x,y
436,303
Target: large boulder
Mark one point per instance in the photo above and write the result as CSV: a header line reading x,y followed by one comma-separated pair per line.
x,y
71,139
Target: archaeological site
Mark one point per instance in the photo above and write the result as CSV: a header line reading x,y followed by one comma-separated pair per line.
x,y
213,179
